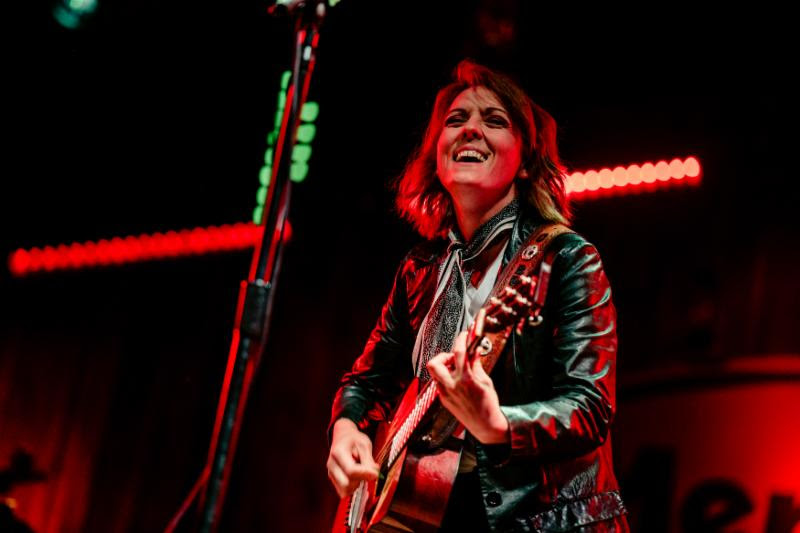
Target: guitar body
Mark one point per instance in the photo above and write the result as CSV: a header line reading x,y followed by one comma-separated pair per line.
x,y
421,495
411,494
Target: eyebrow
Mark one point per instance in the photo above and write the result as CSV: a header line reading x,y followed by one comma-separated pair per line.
x,y
487,111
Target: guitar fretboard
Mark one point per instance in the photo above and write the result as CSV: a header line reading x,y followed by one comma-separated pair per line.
x,y
411,422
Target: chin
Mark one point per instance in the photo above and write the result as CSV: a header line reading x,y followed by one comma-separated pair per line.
x,y
471,178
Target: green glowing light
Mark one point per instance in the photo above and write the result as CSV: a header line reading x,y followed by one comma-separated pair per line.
x,y
82,6
309,112
265,175
306,132
66,18
72,13
261,195
298,172
301,153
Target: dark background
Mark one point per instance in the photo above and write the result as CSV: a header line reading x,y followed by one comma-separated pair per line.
x,y
154,115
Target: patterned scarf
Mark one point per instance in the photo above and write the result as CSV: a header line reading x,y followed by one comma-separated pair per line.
x,y
446,315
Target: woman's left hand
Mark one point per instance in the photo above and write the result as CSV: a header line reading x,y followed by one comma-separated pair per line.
x,y
469,394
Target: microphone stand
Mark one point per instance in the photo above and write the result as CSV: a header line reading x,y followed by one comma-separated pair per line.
x,y
256,295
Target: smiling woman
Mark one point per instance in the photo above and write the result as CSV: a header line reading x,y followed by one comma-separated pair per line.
x,y
479,158
503,111
531,451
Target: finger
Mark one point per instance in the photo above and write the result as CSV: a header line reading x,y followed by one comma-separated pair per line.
x,y
351,465
361,473
369,468
460,344
439,371
343,455
346,460
478,372
460,351
339,479
447,359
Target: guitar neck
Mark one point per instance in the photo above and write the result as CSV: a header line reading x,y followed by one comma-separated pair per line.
x,y
395,445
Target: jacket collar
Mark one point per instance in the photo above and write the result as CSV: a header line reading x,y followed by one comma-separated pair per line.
x,y
527,221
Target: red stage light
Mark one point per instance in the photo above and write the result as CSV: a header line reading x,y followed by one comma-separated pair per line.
x,y
137,248
648,173
692,167
620,177
576,183
592,180
633,179
19,262
634,173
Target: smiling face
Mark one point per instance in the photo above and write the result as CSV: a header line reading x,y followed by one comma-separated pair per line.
x,y
479,149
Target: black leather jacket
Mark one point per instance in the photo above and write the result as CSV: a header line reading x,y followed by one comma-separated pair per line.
x,y
556,385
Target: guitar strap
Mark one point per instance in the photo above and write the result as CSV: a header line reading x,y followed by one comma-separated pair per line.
x,y
533,259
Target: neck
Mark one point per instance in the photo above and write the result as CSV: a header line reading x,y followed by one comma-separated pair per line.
x,y
473,210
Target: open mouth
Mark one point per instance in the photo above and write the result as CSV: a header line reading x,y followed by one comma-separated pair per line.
x,y
469,155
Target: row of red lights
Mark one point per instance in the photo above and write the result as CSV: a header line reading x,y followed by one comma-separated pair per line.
x,y
633,179
136,248
244,235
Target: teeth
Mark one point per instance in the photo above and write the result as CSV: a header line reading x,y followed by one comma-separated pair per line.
x,y
470,153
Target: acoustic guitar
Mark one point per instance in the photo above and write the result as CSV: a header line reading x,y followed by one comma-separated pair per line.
x,y
419,449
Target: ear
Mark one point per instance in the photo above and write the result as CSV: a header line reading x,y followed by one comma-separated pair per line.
x,y
523,173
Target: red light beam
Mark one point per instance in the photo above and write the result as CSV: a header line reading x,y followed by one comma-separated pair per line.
x,y
633,179
136,248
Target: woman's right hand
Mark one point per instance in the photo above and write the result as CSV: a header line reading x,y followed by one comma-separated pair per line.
x,y
350,461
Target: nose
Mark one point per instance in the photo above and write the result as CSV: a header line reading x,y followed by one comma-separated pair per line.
x,y
471,130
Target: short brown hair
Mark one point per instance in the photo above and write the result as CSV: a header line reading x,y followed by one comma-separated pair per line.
x,y
421,198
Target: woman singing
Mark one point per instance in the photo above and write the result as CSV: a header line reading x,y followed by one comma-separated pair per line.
x,y
537,454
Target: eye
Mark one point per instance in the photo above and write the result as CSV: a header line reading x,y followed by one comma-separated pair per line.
x,y
497,120
453,120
